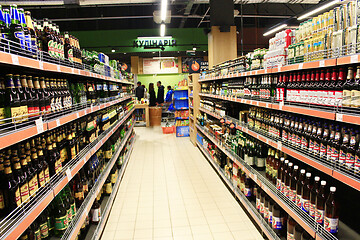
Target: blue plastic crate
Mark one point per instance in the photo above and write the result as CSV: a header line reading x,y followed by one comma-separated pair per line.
x,y
182,131
181,104
199,138
180,94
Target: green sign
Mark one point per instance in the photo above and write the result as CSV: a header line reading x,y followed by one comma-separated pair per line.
x,y
154,42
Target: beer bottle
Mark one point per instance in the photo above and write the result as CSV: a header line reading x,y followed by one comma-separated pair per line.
x,y
37,164
335,145
266,209
248,188
95,212
23,98
33,96
298,232
71,201
293,182
2,188
313,193
291,223
26,33
61,217
262,203
85,182
28,96
50,218
305,194
66,200
258,196
299,187
283,176
323,141
12,100
42,162
344,146
36,229
113,175
20,176
68,50
56,152
267,163
2,100
16,30
331,218
320,203
43,225
277,220
108,186
78,191
12,198
288,175
271,206
30,173
318,139
30,28
45,91
347,88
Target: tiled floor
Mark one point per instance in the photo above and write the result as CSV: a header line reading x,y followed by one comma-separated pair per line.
x,y
169,191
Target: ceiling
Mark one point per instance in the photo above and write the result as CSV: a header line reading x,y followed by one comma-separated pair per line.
x,y
78,15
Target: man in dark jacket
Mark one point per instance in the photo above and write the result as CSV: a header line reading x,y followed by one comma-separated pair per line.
x,y
139,91
160,93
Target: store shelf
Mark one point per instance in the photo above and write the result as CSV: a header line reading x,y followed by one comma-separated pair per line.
x,y
183,108
182,98
341,174
96,232
330,115
21,61
181,88
245,203
14,136
75,225
191,117
21,218
301,218
182,118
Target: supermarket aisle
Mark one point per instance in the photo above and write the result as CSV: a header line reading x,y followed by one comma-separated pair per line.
x,y
170,191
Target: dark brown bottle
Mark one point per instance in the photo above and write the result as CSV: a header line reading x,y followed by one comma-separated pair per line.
x,y
291,223
298,231
313,194
293,182
20,176
79,191
278,220
299,186
266,209
12,198
305,194
320,203
283,174
331,218
288,175
279,173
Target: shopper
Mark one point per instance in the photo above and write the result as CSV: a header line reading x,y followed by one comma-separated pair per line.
x,y
160,96
139,91
169,95
152,101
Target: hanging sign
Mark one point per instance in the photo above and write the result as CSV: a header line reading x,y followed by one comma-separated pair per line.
x,y
154,42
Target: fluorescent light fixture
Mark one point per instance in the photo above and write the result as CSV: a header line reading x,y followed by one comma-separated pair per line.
x,y
112,50
154,38
318,9
159,58
162,30
124,52
163,9
274,30
194,48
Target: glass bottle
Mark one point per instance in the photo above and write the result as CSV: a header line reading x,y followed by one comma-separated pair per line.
x,y
320,203
95,212
299,186
291,223
305,194
313,193
347,87
331,218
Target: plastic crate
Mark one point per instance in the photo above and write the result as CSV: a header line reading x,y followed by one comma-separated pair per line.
x,y
168,130
181,104
180,94
183,131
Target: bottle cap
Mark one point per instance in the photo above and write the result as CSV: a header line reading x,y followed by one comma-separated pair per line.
x,y
308,174
332,189
317,178
302,171
290,164
323,183
286,161
296,167
282,159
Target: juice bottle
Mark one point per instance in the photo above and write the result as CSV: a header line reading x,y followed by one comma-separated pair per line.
x,y
331,218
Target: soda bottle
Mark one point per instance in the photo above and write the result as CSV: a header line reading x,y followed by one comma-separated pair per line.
x,y
331,218
320,203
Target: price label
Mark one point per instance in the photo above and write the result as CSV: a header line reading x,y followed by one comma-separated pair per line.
x,y
301,65
281,104
267,105
354,59
39,125
279,145
255,177
58,68
77,115
68,174
41,65
279,69
57,122
267,141
91,108
72,70
322,63
339,117
15,59
85,111
257,103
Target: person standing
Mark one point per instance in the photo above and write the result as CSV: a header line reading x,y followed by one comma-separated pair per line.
x,y
160,96
139,91
152,101
169,95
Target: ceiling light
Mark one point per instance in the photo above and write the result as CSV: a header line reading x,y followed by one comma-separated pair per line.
x,y
159,58
124,52
274,30
112,50
162,30
318,9
204,51
194,48
163,9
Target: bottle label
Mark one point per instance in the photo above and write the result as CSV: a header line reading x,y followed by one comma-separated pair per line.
x,y
61,223
278,184
277,223
108,154
342,157
304,142
298,200
73,209
270,218
108,188
85,188
357,163
73,152
37,234
17,197
350,160
290,236
311,145
346,98
20,36
113,178
292,195
284,135
335,154
27,39
2,203
258,205
15,113
24,192
305,205
266,213
44,230
287,191
331,224
312,210
95,215
69,215
47,175
247,192
316,147
63,154
260,162
33,185
41,178
282,188
322,150
319,216
355,98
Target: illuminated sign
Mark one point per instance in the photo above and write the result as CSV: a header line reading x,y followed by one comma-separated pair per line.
x,y
154,42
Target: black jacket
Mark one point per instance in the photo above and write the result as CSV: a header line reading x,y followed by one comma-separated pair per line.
x,y
152,99
139,92
160,96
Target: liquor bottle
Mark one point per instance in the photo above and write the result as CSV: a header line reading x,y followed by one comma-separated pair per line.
x,y
313,193
336,145
29,98
43,225
95,212
31,30
293,182
20,176
28,169
271,154
67,204
279,173
61,217
45,95
344,146
320,203
71,144
331,218
51,89
299,186
56,151
85,182
12,198
278,220
271,206
318,139
323,141
79,191
16,30
275,167
291,223
355,91
108,186
305,194
347,87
